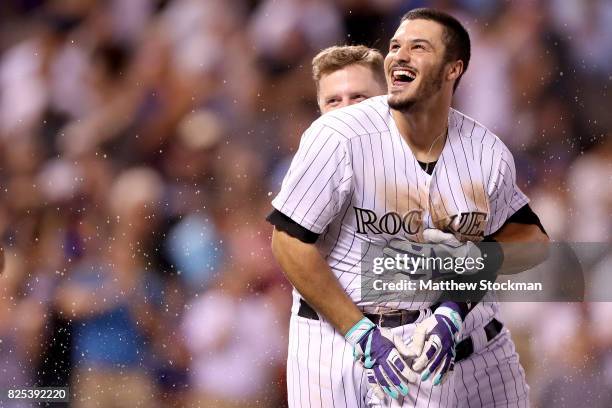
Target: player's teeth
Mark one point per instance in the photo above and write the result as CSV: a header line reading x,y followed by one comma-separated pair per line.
x,y
408,74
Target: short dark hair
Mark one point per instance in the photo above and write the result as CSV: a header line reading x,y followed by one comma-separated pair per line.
x,y
456,37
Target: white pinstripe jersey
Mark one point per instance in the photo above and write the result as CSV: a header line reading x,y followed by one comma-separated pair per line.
x,y
355,181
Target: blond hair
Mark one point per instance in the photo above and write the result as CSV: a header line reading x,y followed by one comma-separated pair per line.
x,y
335,58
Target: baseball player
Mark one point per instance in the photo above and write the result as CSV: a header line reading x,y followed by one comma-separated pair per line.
x,y
406,156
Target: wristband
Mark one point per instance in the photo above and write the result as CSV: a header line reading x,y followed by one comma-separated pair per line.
x,y
452,310
359,330
462,308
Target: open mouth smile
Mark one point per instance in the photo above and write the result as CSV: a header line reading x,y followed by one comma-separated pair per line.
x,y
402,76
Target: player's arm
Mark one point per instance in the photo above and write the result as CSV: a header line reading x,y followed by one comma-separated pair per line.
x,y
524,241
316,186
380,351
306,269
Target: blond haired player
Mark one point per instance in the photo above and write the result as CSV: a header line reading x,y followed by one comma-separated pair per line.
x,y
345,75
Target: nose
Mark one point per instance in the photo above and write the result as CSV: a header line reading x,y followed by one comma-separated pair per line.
x,y
402,54
346,101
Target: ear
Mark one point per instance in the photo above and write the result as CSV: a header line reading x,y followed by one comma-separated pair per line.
x,y
455,71
319,101
321,105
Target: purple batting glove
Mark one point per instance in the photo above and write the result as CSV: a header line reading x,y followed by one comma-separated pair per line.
x,y
382,355
434,341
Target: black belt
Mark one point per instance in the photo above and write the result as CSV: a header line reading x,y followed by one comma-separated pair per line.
x,y
391,319
463,350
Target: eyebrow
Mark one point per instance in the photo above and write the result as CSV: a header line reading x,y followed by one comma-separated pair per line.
x,y
423,40
416,40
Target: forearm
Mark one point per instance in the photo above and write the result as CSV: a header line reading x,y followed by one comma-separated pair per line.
x,y
314,280
519,247
524,245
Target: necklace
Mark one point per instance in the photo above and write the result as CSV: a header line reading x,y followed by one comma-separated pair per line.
x,y
431,147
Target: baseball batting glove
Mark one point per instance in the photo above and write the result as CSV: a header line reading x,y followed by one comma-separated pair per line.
x,y
434,341
382,354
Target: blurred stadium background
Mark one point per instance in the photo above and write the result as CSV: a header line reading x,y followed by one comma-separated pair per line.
x,y
142,140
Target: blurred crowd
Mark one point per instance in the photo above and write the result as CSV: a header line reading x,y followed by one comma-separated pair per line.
x,y
141,142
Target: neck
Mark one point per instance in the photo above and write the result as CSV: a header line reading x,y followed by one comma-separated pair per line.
x,y
422,126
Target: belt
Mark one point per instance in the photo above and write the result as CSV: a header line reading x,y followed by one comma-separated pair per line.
x,y
465,348
391,319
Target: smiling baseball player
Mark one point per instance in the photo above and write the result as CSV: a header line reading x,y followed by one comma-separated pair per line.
x,y
385,173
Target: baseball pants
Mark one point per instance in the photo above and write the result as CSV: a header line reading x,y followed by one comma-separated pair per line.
x,y
321,372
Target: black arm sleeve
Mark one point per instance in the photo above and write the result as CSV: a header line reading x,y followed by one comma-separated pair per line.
x,y
525,215
286,224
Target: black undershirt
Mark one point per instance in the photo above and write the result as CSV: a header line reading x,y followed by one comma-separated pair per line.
x,y
429,169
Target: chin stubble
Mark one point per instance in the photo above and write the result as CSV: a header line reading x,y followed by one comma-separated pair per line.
x,y
401,104
429,87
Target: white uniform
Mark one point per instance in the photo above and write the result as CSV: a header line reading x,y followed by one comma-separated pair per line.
x,y
355,181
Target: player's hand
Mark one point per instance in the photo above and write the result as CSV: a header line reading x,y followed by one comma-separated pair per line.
x,y
439,244
451,245
382,354
434,341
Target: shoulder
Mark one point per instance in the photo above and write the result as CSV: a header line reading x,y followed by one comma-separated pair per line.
x,y
367,117
478,134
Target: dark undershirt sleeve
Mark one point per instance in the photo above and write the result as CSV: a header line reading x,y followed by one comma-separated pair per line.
x,y
283,223
525,215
